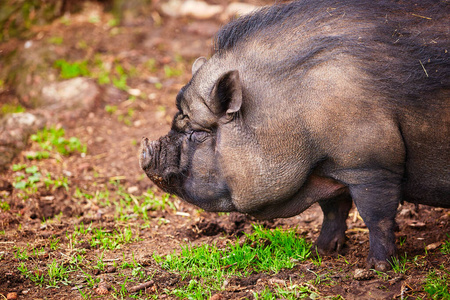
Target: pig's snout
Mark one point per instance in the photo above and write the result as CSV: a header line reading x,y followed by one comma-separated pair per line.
x,y
147,158
160,161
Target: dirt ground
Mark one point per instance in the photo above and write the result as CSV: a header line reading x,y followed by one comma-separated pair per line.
x,y
112,146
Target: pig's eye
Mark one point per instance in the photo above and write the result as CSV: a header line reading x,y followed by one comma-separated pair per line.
x,y
198,136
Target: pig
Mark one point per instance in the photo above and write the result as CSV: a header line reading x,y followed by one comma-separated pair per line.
x,y
317,101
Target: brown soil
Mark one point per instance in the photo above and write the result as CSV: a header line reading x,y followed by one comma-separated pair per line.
x,y
112,154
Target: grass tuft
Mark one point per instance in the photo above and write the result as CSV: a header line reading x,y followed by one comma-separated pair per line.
x,y
208,266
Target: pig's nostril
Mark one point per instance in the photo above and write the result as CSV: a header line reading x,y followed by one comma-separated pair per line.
x,y
152,147
150,150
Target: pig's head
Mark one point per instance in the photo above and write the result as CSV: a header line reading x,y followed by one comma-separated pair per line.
x,y
185,161
225,152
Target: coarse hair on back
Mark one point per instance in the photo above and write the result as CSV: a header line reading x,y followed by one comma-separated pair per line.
x,y
402,46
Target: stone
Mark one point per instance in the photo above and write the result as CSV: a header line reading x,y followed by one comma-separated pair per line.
x,y
199,9
237,9
363,274
192,8
74,94
15,130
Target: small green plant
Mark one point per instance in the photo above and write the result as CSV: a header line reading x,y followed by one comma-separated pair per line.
x,y
36,276
56,183
54,243
53,139
288,292
381,275
111,240
71,70
18,167
29,179
38,155
317,259
57,273
37,252
56,40
10,108
172,72
100,264
21,253
23,269
120,79
445,249
92,281
111,109
32,176
400,265
151,65
4,206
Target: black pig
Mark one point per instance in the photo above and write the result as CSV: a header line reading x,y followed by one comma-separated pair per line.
x,y
317,101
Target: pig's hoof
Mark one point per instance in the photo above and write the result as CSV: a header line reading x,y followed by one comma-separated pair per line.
x,y
379,265
332,247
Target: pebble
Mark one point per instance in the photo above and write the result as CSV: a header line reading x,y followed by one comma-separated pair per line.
x,y
217,297
277,281
238,9
132,189
134,92
433,246
11,296
102,290
193,8
362,274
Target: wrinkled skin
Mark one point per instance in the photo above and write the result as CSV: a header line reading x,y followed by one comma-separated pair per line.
x,y
269,133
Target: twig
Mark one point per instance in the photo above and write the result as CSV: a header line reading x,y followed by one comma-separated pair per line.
x,y
428,18
110,259
139,287
423,68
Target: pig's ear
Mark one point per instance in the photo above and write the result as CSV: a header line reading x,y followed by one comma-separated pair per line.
x,y
227,94
197,64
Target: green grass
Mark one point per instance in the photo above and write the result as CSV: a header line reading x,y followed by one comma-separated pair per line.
x,y
57,274
21,253
101,69
127,206
437,284
29,181
4,205
102,238
445,249
208,266
172,72
71,70
288,292
124,117
56,40
10,108
400,264
53,139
